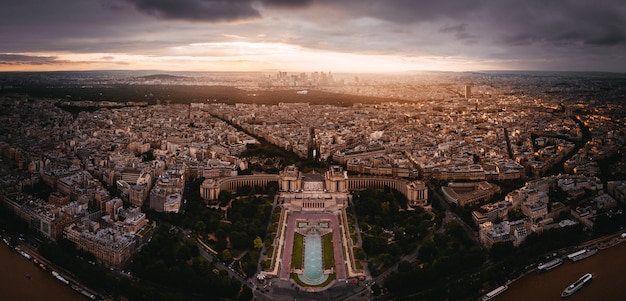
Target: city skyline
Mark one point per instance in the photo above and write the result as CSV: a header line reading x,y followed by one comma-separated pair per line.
x,y
309,35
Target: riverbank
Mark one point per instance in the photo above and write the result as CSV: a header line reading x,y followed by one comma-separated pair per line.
x,y
15,285
607,267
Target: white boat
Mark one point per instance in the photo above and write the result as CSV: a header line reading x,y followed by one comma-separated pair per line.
x,y
499,290
574,287
88,294
582,254
26,255
59,277
550,265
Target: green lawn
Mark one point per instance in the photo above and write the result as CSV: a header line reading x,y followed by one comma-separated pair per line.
x,y
297,254
272,233
358,264
329,255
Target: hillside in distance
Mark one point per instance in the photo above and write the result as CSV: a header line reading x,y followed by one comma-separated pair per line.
x,y
187,94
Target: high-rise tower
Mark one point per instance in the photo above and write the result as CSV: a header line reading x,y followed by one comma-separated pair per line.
x,y
468,91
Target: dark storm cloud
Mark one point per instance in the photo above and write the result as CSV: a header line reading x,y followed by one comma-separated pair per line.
x,y
63,25
454,28
598,35
520,39
409,11
287,3
557,29
209,10
18,59
610,37
197,10
459,31
571,22
506,30
590,22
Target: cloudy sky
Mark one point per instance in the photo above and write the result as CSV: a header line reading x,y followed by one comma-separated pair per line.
x,y
313,35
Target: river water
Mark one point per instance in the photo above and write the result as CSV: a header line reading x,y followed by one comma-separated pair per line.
x,y
608,268
15,286
609,276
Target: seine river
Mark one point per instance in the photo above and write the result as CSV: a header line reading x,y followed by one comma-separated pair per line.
x,y
609,276
14,285
608,268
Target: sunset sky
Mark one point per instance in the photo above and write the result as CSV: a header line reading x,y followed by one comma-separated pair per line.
x,y
313,35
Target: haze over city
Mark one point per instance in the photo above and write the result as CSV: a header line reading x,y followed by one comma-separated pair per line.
x,y
312,35
312,150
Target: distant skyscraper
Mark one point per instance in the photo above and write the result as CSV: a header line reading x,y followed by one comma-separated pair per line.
x,y
468,91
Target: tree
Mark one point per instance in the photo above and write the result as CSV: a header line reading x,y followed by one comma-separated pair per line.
x,y
500,250
240,239
384,207
428,251
399,234
359,253
404,266
226,255
258,243
200,227
224,197
386,259
515,214
246,294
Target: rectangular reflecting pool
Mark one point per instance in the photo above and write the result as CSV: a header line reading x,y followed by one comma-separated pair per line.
x,y
313,273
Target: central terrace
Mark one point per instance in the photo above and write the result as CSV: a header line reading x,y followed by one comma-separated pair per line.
x,y
313,246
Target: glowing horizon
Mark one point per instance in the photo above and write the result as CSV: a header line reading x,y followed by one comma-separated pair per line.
x,y
242,56
311,35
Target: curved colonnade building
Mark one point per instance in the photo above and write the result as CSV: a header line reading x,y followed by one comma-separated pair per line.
x,y
291,180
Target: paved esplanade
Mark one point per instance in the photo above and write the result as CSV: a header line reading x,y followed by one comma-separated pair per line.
x,y
340,270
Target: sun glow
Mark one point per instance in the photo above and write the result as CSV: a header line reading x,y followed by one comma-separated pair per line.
x,y
243,56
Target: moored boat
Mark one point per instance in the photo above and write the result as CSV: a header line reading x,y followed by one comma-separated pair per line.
x,y
499,290
26,255
574,287
88,294
582,254
59,277
550,265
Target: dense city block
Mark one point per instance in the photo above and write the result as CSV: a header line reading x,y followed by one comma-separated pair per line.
x,y
283,185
